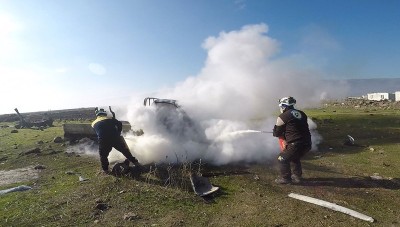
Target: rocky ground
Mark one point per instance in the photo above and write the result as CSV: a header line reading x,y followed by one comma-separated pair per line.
x,y
68,114
363,104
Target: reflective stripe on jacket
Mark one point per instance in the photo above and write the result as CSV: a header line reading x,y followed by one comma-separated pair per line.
x,y
107,128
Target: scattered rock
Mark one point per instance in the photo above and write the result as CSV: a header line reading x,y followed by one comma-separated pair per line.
x,y
70,172
102,206
131,216
14,131
31,151
40,167
376,177
53,151
69,154
58,140
96,221
82,179
386,164
371,149
256,177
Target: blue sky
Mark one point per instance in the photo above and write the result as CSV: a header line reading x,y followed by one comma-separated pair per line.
x,y
77,53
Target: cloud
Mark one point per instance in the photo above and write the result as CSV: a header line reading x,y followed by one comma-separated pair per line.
x,y
240,4
97,69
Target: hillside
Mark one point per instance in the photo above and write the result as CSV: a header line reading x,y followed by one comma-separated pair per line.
x,y
66,114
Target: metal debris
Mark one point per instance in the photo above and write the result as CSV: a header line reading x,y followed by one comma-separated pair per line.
x,y
332,206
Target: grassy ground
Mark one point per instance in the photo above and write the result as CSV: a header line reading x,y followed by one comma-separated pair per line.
x,y
337,173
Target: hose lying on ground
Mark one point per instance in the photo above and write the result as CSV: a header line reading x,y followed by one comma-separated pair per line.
x,y
332,206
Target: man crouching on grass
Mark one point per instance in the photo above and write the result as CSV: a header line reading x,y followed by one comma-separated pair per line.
x,y
108,132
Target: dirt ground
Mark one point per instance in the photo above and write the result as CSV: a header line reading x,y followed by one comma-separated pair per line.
x,y
18,175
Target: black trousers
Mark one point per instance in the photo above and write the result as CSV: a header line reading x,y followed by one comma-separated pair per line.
x,y
105,147
292,154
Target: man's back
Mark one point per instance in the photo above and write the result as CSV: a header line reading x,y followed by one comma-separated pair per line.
x,y
296,125
107,128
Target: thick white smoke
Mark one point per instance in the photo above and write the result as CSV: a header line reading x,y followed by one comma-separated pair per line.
x,y
237,90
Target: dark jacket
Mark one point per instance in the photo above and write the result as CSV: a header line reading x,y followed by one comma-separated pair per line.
x,y
107,128
292,125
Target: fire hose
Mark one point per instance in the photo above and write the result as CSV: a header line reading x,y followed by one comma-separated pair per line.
x,y
281,140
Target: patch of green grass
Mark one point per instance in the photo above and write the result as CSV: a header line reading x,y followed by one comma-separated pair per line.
x,y
336,173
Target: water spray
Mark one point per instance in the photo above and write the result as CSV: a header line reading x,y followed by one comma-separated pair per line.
x,y
250,131
264,131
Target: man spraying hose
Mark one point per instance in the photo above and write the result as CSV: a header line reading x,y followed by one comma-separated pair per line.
x,y
108,132
295,139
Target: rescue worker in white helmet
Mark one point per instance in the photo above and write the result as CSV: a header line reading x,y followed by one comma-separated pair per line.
x,y
292,126
108,132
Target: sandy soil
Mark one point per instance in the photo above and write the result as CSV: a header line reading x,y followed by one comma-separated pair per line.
x,y
18,175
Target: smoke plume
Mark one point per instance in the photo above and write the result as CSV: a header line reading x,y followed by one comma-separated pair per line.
x,y
222,107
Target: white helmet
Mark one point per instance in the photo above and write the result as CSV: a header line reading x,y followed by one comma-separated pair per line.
x,y
100,112
286,102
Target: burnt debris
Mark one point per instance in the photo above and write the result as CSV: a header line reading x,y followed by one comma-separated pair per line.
x,y
46,121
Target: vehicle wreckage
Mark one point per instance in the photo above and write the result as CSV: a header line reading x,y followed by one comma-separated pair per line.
x,y
174,121
46,121
77,131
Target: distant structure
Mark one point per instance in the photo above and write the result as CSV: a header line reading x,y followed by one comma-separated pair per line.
x,y
379,96
357,97
382,96
397,96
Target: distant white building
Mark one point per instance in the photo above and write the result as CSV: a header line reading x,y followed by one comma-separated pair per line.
x,y
381,96
397,96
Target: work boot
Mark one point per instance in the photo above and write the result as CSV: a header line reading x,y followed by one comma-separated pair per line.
x,y
281,180
139,167
296,179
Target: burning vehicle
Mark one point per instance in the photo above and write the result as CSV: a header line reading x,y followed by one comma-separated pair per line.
x,y
175,122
